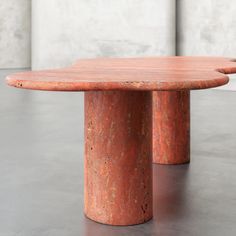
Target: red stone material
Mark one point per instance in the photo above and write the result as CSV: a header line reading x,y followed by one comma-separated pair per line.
x,y
118,157
160,73
118,137
171,127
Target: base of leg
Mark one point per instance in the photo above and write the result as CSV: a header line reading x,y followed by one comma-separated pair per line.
x,y
141,221
171,127
118,157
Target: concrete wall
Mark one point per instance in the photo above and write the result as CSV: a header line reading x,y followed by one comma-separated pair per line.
x,y
15,21
64,31
207,27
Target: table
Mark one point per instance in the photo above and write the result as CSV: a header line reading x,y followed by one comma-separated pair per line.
x,y
121,114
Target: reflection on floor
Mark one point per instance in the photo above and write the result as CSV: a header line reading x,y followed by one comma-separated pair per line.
x,y
41,183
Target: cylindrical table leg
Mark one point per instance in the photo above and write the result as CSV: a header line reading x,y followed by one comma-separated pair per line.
x,y
118,157
171,127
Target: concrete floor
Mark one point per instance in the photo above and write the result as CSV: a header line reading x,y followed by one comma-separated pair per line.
x,y
41,170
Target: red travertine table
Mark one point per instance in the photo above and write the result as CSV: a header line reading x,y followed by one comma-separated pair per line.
x,y
118,123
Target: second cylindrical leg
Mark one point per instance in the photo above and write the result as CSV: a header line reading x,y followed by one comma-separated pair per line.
x,y
171,127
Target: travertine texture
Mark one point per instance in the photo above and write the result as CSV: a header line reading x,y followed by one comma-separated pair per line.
x,y
157,73
118,157
171,127
63,32
15,22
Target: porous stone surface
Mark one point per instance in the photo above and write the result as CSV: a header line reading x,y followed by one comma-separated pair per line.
x,y
157,73
118,157
171,127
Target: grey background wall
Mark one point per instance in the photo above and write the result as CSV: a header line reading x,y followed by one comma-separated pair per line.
x,y
15,24
63,32
207,27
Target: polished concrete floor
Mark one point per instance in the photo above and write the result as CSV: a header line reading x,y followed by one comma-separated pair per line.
x,y
41,169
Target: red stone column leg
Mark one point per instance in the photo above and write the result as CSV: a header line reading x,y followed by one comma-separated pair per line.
x,y
171,127
118,157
